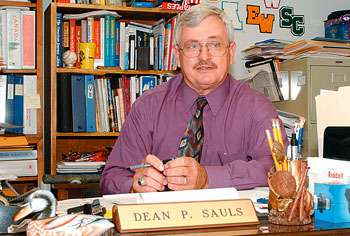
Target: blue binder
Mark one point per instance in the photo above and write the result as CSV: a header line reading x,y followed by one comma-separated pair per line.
x,y
78,103
18,105
10,102
90,103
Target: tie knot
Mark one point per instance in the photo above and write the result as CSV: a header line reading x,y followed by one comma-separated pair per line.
x,y
201,102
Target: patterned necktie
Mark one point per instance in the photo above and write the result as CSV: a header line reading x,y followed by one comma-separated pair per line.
x,y
192,142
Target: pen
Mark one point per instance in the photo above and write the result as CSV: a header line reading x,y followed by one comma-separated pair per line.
x,y
300,139
147,164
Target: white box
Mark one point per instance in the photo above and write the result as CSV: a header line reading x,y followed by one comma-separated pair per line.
x,y
19,168
324,170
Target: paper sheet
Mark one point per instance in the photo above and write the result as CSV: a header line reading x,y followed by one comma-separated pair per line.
x,y
332,109
174,196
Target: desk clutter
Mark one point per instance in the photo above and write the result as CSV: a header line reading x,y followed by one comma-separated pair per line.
x,y
290,203
40,206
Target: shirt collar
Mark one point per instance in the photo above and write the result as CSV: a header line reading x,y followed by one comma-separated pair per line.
x,y
215,98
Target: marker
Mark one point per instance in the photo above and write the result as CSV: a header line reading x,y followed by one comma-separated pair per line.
x,y
294,147
147,164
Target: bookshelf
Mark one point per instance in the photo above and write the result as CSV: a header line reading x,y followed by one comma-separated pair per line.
x,y
63,142
25,183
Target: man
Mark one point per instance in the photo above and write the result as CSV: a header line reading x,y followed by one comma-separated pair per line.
x,y
235,150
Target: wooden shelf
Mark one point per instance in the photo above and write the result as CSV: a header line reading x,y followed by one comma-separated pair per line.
x,y
134,13
36,139
92,134
111,70
18,71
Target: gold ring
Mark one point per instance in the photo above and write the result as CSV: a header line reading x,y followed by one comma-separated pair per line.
x,y
185,180
142,181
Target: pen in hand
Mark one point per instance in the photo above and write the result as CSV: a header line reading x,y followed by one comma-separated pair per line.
x,y
147,164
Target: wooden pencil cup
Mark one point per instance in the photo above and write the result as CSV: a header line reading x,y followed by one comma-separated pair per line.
x,y
290,203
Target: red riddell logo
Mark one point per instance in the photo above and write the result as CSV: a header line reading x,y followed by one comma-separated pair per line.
x,y
335,175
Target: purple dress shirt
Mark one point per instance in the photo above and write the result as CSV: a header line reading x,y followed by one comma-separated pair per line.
x,y
235,150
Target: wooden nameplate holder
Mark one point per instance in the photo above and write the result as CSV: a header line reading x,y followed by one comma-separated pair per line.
x,y
183,215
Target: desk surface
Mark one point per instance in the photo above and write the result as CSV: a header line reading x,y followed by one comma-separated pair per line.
x,y
266,228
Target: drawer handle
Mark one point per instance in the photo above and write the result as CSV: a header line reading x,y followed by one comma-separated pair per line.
x,y
338,78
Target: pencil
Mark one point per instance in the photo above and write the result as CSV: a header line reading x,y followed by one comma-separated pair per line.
x,y
269,139
280,139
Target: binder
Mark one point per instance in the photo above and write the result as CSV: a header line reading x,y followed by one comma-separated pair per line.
x,y
64,103
18,105
78,103
3,79
10,102
29,115
90,103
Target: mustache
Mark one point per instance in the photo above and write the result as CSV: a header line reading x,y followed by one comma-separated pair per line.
x,y
205,63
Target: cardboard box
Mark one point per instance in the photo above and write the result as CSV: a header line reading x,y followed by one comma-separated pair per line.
x,y
332,202
325,170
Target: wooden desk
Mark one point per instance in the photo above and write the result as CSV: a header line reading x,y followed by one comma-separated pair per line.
x,y
265,228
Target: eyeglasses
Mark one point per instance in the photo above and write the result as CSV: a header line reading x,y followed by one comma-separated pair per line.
x,y
215,49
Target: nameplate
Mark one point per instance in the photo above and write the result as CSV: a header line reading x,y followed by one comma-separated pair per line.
x,y
183,215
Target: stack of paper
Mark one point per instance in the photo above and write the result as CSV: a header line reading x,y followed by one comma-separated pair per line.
x,y
79,167
271,48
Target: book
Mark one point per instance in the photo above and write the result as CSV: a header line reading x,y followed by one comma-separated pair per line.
x,y
117,44
72,36
59,45
90,103
100,44
112,42
28,39
90,29
29,114
10,102
84,31
19,168
65,40
122,112
3,37
18,155
147,83
14,34
142,4
107,33
78,103
97,39
64,103
111,108
122,46
3,79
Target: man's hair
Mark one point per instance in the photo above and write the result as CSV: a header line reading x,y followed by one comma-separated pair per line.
x,y
193,17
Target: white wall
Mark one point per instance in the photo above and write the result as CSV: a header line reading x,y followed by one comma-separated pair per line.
x,y
315,12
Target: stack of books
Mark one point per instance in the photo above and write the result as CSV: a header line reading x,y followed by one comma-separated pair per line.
x,y
80,167
17,158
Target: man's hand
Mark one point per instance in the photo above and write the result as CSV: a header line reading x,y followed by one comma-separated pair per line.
x,y
185,173
154,180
